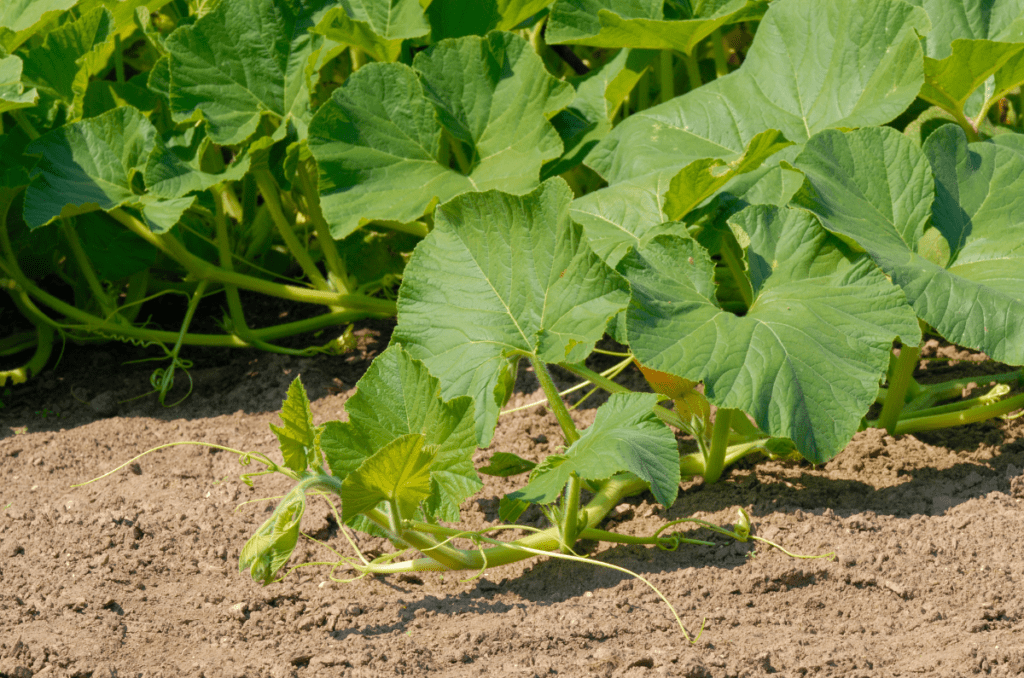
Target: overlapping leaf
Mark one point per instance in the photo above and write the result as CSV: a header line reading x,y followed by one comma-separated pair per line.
x,y
382,142
60,67
646,24
813,66
499,277
626,436
377,27
396,398
805,359
244,60
458,18
93,165
12,92
877,188
974,54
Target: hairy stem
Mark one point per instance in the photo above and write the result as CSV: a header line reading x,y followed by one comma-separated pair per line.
x,y
971,416
714,460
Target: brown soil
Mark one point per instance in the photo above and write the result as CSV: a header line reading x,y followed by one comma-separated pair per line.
x,y
136,575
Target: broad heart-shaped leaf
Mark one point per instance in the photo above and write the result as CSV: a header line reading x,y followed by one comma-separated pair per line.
x,y
643,23
382,141
269,548
244,60
88,165
996,20
398,397
805,360
814,65
398,472
626,436
876,188
499,277
458,18
12,92
375,26
298,435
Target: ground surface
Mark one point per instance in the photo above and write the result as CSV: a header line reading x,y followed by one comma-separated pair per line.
x,y
137,575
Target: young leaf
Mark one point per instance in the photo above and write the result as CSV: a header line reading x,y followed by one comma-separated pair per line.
x,y
12,93
980,42
626,436
269,548
813,66
173,167
241,61
298,435
377,27
806,358
398,397
398,472
875,187
643,23
500,277
378,142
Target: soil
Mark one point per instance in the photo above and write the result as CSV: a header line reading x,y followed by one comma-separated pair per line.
x,y
136,575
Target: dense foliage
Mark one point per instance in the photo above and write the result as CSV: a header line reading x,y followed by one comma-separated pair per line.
x,y
772,247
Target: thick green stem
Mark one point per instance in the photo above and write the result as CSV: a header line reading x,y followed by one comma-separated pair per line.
x,y
241,328
666,76
332,260
693,70
271,197
971,416
899,381
85,267
718,48
933,393
612,492
714,461
571,499
692,465
198,268
24,123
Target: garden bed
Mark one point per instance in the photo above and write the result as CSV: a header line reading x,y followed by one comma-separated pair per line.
x,y
136,575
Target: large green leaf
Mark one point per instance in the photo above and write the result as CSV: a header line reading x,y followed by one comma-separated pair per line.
x,y
88,165
644,23
24,18
375,26
12,92
806,358
174,167
398,472
876,187
812,66
382,141
398,397
996,20
60,67
626,436
500,277
458,18
244,60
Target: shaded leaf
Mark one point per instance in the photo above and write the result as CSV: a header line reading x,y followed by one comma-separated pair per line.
x,y
377,27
